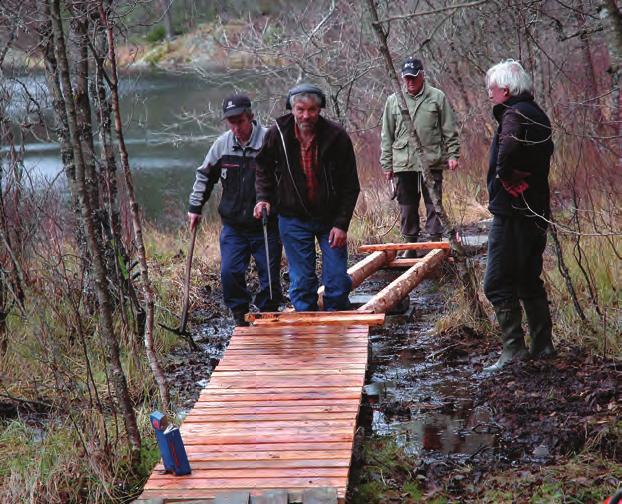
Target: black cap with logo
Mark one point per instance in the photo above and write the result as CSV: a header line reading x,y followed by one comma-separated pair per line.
x,y
412,66
235,105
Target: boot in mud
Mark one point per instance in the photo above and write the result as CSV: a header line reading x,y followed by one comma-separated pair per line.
x,y
512,335
238,317
409,254
540,328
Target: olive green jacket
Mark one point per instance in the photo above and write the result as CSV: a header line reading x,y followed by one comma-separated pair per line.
x,y
435,125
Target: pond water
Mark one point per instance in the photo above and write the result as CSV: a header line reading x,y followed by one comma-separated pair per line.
x,y
165,142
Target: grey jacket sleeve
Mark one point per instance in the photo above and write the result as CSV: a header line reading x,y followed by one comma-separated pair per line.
x,y
207,176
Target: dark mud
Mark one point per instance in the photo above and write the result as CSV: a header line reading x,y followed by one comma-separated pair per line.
x,y
437,427
434,427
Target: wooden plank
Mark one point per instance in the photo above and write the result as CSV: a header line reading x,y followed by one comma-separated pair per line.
x,y
442,245
393,293
304,463
404,263
176,495
313,318
243,483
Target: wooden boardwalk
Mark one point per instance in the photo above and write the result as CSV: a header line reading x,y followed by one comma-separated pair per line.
x,y
279,412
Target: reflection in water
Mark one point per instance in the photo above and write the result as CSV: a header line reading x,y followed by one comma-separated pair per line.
x,y
162,145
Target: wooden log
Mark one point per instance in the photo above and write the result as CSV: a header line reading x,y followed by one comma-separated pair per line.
x,y
443,245
355,317
362,269
401,286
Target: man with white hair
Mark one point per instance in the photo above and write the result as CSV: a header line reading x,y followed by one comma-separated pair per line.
x,y
518,190
306,170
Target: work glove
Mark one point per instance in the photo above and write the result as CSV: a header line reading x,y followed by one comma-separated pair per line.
x,y
515,190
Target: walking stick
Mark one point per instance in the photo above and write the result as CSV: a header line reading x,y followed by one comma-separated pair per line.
x,y
181,330
264,222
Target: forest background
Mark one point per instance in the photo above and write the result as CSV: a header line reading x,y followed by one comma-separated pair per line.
x,y
85,279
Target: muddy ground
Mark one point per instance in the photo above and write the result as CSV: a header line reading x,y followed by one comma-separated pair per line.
x,y
435,428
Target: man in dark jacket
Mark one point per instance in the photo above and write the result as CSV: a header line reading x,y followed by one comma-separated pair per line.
x,y
307,171
231,160
518,190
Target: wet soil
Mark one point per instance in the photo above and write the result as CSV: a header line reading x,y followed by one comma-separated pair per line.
x,y
455,426
446,428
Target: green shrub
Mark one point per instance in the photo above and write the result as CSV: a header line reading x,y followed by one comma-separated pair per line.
x,y
157,34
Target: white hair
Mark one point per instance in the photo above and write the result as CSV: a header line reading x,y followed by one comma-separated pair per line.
x,y
509,74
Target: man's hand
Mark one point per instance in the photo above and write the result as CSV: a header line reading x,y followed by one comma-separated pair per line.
x,y
337,238
388,175
193,220
258,207
452,164
515,190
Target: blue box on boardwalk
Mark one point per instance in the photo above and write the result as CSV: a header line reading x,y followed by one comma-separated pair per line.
x,y
171,445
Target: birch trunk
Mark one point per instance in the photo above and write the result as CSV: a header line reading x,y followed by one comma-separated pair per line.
x,y
136,222
106,326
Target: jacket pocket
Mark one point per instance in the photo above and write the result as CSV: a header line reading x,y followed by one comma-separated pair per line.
x,y
400,153
230,204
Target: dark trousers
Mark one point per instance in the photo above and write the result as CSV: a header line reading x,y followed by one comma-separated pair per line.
x,y
410,187
514,265
299,240
236,248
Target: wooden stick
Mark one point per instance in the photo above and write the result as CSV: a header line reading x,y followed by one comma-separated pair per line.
x,y
355,317
405,246
388,297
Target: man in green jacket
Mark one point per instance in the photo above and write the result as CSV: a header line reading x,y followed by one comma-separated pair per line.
x,y
436,128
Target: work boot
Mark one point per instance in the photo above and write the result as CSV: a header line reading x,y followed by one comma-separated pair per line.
x,y
238,317
409,254
540,328
512,335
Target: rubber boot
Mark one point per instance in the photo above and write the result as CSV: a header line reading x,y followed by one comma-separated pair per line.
x,y
512,335
238,317
409,254
540,328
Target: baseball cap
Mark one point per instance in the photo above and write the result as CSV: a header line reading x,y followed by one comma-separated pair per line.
x,y
412,66
235,105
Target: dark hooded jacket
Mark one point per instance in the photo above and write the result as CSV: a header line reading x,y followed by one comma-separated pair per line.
x,y
281,181
521,150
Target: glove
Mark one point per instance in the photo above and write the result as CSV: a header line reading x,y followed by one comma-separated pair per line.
x,y
515,190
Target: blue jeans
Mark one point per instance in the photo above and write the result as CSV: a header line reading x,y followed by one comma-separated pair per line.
x,y
299,240
236,248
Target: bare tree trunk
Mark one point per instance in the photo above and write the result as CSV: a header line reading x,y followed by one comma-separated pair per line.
x,y
138,233
167,18
467,275
106,325
613,20
110,196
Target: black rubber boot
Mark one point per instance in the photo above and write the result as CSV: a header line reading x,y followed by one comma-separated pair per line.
x,y
540,328
238,317
409,254
512,335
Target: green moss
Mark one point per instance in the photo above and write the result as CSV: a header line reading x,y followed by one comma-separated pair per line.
x,y
369,493
412,489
